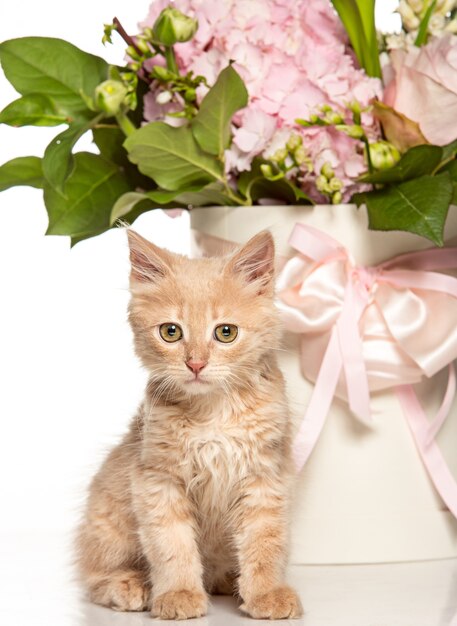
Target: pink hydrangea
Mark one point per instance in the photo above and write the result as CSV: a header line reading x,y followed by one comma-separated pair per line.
x,y
293,57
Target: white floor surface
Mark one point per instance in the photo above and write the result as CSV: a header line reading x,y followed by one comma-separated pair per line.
x,y
37,589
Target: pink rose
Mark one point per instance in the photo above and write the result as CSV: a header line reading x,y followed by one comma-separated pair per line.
x,y
424,88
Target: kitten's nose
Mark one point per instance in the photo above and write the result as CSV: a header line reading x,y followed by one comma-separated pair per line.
x,y
195,366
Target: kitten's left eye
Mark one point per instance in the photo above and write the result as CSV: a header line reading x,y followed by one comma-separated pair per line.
x,y
226,333
170,332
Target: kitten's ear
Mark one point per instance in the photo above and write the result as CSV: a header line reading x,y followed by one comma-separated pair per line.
x,y
148,261
255,260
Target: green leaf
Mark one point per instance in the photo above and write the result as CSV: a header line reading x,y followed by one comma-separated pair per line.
x,y
418,206
451,168
53,68
449,150
130,205
21,171
58,158
212,194
418,161
93,187
422,34
246,177
254,186
32,110
171,157
211,125
358,17
151,200
283,190
110,141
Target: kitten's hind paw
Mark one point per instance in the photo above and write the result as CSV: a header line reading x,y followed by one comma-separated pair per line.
x,y
122,591
280,603
182,604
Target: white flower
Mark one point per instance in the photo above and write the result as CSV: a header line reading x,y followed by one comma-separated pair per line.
x,y
443,7
451,27
409,18
436,24
396,41
416,5
163,97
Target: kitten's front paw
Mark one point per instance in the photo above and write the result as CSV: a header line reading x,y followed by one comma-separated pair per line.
x,y
122,591
181,604
280,603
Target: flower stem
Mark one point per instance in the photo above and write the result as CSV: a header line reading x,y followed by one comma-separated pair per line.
x,y
234,196
171,59
128,40
125,124
367,147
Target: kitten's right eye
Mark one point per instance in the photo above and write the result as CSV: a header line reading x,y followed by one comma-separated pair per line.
x,y
170,332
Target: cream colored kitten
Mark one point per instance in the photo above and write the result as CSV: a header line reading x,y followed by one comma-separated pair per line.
x,y
195,499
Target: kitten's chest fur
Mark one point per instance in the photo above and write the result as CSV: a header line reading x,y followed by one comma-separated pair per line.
x,y
215,460
212,453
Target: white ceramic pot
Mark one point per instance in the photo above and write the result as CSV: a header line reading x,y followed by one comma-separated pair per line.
x,y
364,494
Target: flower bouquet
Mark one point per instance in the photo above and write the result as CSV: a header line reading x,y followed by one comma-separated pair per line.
x,y
245,102
261,114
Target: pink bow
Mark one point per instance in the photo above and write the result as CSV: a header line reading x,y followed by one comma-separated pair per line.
x,y
383,327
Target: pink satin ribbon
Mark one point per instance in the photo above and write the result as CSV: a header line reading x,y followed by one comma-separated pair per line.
x,y
371,328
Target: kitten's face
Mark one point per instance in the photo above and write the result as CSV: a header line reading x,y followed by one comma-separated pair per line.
x,y
202,325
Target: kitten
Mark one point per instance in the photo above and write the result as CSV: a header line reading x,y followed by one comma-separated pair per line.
x,y
195,499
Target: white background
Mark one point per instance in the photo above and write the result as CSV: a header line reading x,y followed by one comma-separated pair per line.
x,y
69,379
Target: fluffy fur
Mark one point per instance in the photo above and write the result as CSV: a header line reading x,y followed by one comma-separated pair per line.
x,y
195,499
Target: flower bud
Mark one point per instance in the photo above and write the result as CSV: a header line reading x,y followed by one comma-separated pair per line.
x,y
109,96
280,155
142,45
133,53
416,5
333,118
355,106
408,17
294,142
383,155
161,73
327,170
321,183
163,97
266,170
313,118
190,95
337,197
172,27
300,155
445,6
355,131
356,109
336,184
436,24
